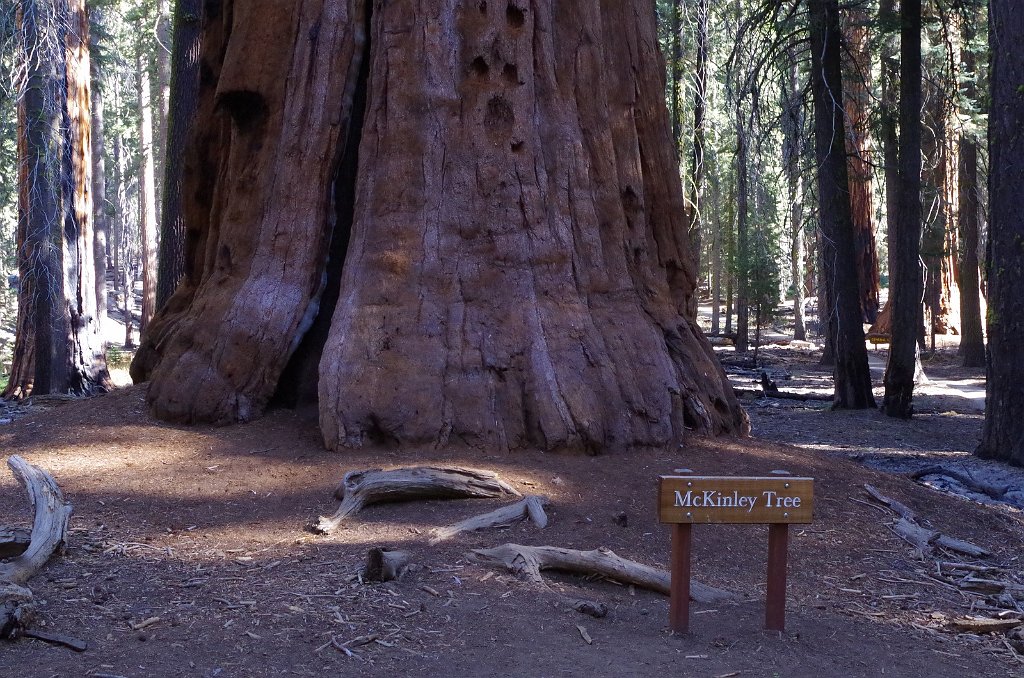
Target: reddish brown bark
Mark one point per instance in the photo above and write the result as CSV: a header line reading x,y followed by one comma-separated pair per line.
x,y
58,348
516,268
858,104
940,246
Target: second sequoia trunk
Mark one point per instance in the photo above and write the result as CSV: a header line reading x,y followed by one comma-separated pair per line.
x,y
453,222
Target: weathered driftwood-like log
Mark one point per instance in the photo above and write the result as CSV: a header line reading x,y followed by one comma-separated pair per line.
x,y
528,561
925,539
14,541
372,486
982,625
49,530
531,507
992,491
385,565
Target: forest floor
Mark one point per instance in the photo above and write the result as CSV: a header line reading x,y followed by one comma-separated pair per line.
x,y
189,555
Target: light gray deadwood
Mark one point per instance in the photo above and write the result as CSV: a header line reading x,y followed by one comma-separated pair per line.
x,y
925,539
13,541
385,565
373,486
531,507
979,486
49,530
529,561
983,625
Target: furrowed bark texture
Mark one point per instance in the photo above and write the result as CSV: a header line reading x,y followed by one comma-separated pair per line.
x,y
858,102
184,84
907,286
516,269
851,373
58,348
1003,433
258,205
972,339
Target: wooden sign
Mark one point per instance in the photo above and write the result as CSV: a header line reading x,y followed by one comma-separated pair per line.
x,y
779,500
727,499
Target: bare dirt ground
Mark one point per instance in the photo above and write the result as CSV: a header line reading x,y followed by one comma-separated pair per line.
x,y
200,533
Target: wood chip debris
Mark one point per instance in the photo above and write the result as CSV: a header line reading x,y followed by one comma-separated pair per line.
x,y
583,634
145,623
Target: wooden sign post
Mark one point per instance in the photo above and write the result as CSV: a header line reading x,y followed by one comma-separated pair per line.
x,y
777,501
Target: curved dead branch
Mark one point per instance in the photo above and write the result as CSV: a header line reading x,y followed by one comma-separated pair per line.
x,y
49,531
529,561
373,486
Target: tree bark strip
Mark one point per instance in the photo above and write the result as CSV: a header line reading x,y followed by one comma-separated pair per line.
x,y
906,287
1003,432
851,373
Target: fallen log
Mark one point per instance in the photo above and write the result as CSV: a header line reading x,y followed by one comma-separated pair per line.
x,y
982,625
49,532
781,395
528,562
531,507
991,491
924,538
385,565
372,486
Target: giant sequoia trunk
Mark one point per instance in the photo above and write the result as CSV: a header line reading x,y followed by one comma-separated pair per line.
x,y
451,222
1003,433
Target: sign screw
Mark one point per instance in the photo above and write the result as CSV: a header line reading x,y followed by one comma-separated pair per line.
x,y
787,486
785,515
689,515
689,484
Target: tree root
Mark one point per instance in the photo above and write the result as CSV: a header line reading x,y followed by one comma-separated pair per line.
x,y
531,507
49,531
373,486
529,561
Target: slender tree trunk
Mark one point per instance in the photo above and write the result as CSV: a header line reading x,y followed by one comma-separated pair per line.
x,y
792,125
676,76
185,85
858,101
86,366
525,287
162,97
940,186
972,340
699,112
147,196
716,255
889,113
851,373
906,285
1003,432
742,262
101,219
123,271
